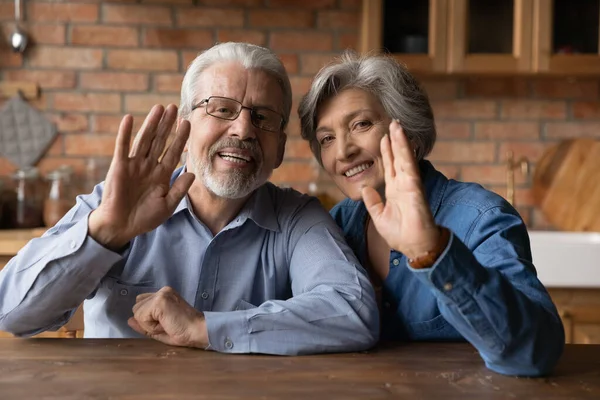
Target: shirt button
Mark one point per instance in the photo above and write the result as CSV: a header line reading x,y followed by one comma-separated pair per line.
x,y
396,262
124,292
72,244
205,295
448,286
228,344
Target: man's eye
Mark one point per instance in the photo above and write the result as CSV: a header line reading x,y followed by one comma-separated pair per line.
x,y
260,117
223,110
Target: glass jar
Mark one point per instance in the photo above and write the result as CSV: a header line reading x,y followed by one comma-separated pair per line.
x,y
60,197
29,205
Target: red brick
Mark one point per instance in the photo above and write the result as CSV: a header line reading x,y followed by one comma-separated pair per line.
x,y
307,40
338,20
10,59
298,149
300,85
293,126
46,79
71,122
65,57
281,19
531,150
310,64
47,34
524,197
441,89
496,87
110,123
98,102
312,4
290,62
350,4
566,88
507,130
453,130
142,103
564,130
7,11
6,167
216,17
137,14
187,57
464,109
178,38
114,81
533,109
463,152
56,148
98,35
178,2
66,12
294,171
89,145
586,109
347,41
449,171
48,164
40,103
144,60
525,213
168,83
489,174
238,3
242,35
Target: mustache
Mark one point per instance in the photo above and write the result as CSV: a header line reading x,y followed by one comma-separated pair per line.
x,y
250,145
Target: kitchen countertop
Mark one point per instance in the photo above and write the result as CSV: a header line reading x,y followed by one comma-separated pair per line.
x,y
13,240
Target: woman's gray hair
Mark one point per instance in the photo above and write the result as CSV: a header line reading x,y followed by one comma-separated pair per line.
x,y
398,91
249,56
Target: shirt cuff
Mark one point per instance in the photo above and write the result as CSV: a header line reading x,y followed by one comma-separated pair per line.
x,y
455,275
228,331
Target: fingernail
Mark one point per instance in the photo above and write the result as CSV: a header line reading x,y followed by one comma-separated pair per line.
x,y
397,121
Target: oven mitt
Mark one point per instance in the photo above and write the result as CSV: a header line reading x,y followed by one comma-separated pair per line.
x,y
25,133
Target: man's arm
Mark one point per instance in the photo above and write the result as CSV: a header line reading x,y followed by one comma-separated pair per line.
x,y
52,275
488,290
49,278
333,307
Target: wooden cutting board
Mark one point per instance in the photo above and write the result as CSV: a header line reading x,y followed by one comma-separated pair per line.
x,y
566,185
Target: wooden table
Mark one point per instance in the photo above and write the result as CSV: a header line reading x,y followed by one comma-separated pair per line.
x,y
146,369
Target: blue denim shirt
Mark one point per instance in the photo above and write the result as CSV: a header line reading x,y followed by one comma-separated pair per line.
x,y
483,288
278,279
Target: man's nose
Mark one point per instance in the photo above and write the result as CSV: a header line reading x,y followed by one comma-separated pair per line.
x,y
242,126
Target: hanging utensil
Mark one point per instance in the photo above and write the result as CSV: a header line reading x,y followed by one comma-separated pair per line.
x,y
18,39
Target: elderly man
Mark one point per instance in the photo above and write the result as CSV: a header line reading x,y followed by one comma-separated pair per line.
x,y
209,255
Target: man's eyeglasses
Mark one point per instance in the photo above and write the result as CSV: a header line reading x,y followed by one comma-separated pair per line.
x,y
229,109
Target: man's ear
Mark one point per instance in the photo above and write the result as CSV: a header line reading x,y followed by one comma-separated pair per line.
x,y
281,149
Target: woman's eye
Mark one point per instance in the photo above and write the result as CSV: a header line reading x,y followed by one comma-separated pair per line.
x,y
362,125
325,139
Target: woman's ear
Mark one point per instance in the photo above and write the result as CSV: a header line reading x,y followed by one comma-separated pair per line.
x,y
281,149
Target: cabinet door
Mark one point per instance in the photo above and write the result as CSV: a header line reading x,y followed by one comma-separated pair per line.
x,y
413,31
492,36
586,334
566,37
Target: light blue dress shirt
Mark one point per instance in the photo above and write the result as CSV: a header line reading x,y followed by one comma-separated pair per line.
x,y
278,279
483,288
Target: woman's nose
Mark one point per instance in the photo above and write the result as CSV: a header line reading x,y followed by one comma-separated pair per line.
x,y
345,148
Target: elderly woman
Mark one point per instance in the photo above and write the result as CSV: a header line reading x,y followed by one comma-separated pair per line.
x,y
450,260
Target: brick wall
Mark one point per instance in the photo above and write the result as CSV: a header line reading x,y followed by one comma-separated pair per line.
x,y
96,60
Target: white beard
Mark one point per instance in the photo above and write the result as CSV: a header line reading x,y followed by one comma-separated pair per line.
x,y
233,185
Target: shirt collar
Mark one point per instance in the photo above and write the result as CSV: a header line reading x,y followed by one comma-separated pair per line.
x,y
259,207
